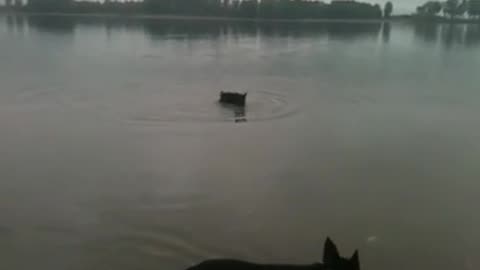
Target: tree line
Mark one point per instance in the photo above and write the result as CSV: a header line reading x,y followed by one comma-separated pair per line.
x,y
450,8
281,9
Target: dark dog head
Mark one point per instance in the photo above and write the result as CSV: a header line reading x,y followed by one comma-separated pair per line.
x,y
333,261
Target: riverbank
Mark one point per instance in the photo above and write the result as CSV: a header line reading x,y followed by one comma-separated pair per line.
x,y
444,20
403,18
197,18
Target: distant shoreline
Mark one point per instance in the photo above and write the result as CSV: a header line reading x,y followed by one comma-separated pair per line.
x,y
444,20
199,18
402,18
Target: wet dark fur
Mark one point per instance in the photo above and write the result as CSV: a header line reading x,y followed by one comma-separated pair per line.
x,y
331,261
233,98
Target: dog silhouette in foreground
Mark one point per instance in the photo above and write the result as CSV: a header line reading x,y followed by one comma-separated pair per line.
x,y
331,261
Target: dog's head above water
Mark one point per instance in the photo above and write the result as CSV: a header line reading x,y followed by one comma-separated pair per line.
x,y
331,261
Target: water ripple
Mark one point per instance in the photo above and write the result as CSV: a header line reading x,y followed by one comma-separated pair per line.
x,y
262,106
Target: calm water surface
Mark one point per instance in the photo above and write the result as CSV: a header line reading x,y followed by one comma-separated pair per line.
x,y
115,155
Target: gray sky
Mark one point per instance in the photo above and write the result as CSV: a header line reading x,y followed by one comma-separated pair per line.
x,y
404,6
400,6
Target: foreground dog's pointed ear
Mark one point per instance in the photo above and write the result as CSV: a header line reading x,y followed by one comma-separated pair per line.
x,y
330,253
355,260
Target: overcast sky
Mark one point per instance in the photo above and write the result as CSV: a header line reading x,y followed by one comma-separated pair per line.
x,y
400,6
403,6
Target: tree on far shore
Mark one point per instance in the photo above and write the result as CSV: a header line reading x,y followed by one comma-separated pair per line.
x,y
450,7
430,8
473,8
454,8
388,9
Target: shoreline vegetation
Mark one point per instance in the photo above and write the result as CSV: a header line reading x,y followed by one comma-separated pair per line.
x,y
281,11
252,10
146,16
143,16
444,20
449,11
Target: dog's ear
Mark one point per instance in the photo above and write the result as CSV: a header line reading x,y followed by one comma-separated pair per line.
x,y
330,253
355,261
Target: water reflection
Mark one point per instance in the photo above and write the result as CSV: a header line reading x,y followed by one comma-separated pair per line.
x,y
448,35
63,25
10,20
179,29
348,31
386,29
236,113
15,24
240,115
426,31
452,34
472,35
159,29
19,20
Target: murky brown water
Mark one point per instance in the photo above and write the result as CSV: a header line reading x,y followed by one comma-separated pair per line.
x,y
115,155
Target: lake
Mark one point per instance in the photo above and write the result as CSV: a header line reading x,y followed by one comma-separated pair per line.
x,y
116,155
